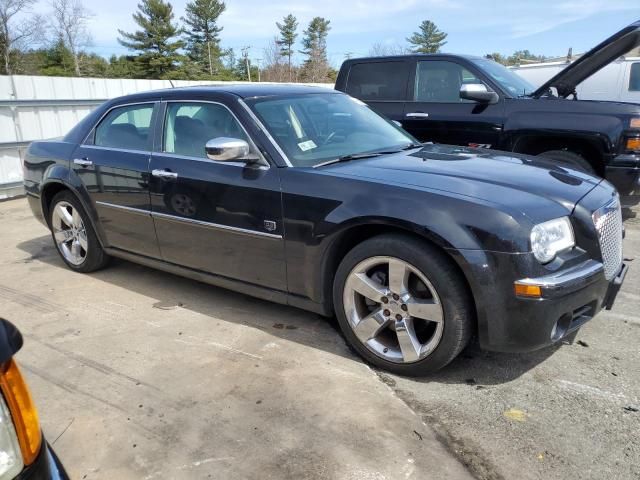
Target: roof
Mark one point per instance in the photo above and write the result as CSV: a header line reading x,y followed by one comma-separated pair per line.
x,y
243,90
412,55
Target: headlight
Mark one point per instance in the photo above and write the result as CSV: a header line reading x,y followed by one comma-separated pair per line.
x,y
550,238
11,463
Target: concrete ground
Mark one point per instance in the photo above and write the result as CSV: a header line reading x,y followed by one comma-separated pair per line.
x,y
141,374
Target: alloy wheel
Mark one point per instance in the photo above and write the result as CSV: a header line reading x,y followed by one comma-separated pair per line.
x,y
70,233
393,309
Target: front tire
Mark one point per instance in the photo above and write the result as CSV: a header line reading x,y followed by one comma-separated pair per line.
x,y
73,235
402,305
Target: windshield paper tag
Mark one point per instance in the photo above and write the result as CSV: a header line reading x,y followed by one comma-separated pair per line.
x,y
308,145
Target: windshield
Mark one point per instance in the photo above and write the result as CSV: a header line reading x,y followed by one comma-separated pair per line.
x,y
316,128
507,79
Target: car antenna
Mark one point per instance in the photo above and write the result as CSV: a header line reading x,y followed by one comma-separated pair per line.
x,y
171,82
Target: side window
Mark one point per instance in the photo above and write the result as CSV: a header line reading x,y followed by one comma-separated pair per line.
x,y
440,81
634,77
190,125
126,127
378,81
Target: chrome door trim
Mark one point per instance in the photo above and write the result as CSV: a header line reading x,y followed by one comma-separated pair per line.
x,y
417,115
215,226
173,218
138,211
266,132
252,144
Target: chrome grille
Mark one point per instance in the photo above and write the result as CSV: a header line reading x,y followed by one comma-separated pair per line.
x,y
608,223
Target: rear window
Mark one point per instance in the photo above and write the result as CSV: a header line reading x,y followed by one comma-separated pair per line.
x,y
378,81
634,78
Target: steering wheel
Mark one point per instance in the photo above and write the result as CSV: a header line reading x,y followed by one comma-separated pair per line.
x,y
329,137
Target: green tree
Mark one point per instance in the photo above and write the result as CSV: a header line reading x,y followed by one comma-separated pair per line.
x,y
497,57
202,34
287,38
429,39
314,41
156,42
524,56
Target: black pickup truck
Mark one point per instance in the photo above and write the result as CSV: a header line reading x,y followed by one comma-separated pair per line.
x,y
474,101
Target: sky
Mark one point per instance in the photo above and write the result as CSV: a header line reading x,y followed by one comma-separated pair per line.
x,y
476,27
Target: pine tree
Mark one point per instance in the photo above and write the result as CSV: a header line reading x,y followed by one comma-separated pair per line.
x,y
158,51
202,33
429,39
287,38
316,66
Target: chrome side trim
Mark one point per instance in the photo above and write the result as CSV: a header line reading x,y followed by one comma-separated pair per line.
x,y
266,132
138,211
215,226
173,218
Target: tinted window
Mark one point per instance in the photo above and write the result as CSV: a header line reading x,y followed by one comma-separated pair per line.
x,y
378,81
126,127
190,125
439,81
507,79
634,78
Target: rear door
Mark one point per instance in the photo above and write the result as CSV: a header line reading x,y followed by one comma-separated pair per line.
x,y
221,218
436,113
113,164
383,85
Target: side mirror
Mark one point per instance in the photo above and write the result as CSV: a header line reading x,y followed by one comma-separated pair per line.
x,y
478,92
10,340
224,149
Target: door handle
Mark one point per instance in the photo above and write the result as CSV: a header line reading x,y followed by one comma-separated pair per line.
x,y
164,174
417,115
83,162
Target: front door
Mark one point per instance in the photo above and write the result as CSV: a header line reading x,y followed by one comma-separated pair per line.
x,y
438,114
113,165
222,218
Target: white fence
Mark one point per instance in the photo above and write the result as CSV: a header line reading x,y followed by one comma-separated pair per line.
x,y
35,108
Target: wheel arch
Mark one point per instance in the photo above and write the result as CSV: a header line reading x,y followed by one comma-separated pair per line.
x,y
591,148
348,238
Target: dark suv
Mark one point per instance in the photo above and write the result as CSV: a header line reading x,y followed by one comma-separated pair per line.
x,y
474,101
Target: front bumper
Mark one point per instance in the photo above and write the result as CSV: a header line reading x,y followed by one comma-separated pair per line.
x,y
509,323
623,172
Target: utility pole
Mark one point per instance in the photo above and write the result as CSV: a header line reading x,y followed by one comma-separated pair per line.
x,y
245,55
258,60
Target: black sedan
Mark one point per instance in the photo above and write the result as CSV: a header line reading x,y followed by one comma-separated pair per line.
x,y
305,196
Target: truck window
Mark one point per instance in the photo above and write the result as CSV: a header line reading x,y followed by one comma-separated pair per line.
x,y
634,77
378,81
439,81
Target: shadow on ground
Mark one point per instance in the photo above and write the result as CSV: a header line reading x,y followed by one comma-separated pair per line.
x,y
472,367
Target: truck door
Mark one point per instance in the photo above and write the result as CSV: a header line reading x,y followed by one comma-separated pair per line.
x,y
436,113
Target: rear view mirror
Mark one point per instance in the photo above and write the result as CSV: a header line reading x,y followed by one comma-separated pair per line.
x,y
478,92
224,149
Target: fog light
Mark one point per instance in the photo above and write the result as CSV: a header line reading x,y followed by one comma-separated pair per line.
x,y
525,290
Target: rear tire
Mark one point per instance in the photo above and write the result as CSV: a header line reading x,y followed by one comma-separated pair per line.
x,y
569,159
402,305
73,234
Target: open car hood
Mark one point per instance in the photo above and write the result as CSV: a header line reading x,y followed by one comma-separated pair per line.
x,y
565,82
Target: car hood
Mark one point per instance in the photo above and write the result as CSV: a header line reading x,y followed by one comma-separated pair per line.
x,y
517,182
595,59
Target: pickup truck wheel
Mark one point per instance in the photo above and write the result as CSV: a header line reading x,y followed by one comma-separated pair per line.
x,y
73,234
569,159
402,305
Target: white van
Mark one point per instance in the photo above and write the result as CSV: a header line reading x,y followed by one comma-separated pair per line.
x,y
619,81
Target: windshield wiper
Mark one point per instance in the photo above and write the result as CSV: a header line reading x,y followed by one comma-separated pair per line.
x,y
351,156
